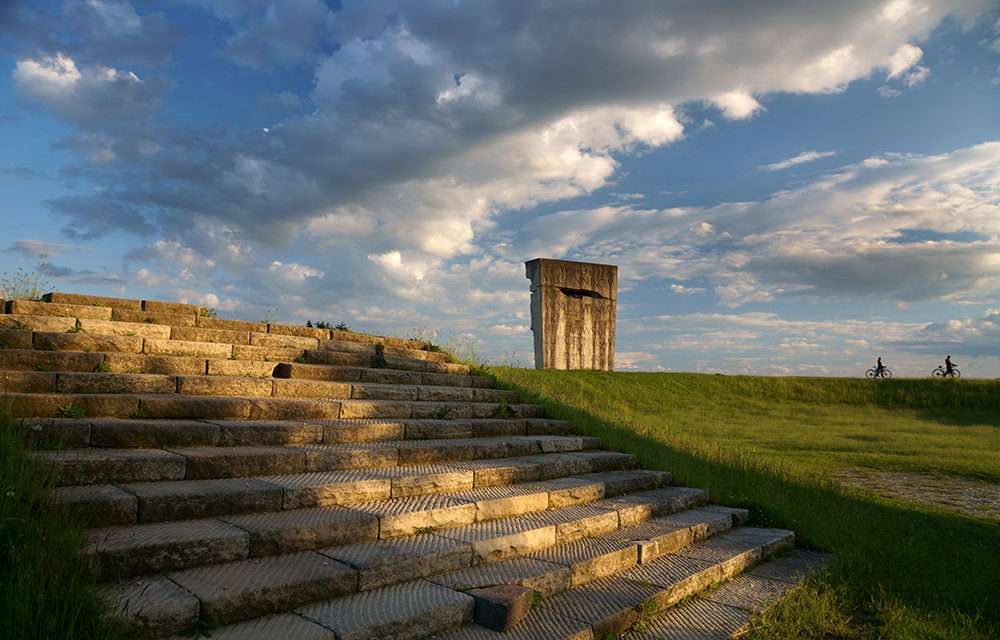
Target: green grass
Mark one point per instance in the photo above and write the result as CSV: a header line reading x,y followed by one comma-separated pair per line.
x,y
904,570
45,592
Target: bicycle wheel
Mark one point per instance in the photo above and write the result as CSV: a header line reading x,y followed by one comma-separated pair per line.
x,y
938,373
870,373
955,373
886,374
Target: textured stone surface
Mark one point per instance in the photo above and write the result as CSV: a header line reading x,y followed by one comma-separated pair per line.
x,y
155,346
336,432
177,406
74,382
100,505
260,586
88,342
92,301
398,560
15,338
202,334
28,307
26,359
165,365
231,325
292,388
609,605
246,433
115,328
294,409
250,368
545,577
238,462
401,612
498,539
155,306
152,433
95,466
171,319
59,433
163,501
305,529
27,382
573,313
330,488
500,607
241,386
288,626
418,514
282,341
151,604
56,405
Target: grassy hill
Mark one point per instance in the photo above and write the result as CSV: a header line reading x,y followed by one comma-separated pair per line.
x,y
904,569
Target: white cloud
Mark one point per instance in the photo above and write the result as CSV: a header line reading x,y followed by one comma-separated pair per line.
x,y
903,59
805,156
737,105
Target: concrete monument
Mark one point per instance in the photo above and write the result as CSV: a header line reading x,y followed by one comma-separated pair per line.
x,y
573,313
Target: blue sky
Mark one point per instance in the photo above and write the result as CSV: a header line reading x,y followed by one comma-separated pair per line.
x,y
788,188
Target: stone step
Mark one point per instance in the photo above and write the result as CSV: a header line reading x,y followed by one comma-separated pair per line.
x,y
126,503
96,465
634,597
369,514
339,373
54,309
242,385
179,406
258,587
67,433
93,301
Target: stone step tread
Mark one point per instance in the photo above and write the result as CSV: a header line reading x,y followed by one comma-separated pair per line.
x,y
612,605
82,466
159,501
57,309
17,354
123,551
244,589
244,407
241,385
68,433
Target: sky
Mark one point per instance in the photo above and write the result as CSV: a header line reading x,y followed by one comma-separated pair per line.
x,y
787,187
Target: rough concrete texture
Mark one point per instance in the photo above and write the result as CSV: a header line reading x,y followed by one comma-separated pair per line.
x,y
151,604
115,328
305,529
100,505
573,313
164,501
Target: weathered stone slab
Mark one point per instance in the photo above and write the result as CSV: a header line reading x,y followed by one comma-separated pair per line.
x,y
146,549
539,426
294,330
498,539
433,429
286,626
400,612
491,473
279,341
207,408
27,307
330,373
291,388
335,457
418,452
92,301
590,559
27,382
504,502
166,501
178,308
29,359
335,432
224,386
151,604
239,462
448,394
294,409
100,505
500,607
248,434
200,334
260,586
397,560
425,480
793,566
417,514
73,382
305,529
699,619
86,342
231,325
327,357
360,409
29,322
545,577
330,488
115,328
14,339
163,365
576,522
153,433
172,319
391,376
156,347
95,466
267,354
57,405
384,392
251,368
59,433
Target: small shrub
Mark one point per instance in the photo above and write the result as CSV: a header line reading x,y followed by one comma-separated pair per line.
x,y
342,327
646,613
74,329
443,412
72,410
378,358
207,312
24,285
102,367
150,320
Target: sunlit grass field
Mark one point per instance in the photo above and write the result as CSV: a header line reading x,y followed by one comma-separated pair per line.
x,y
904,570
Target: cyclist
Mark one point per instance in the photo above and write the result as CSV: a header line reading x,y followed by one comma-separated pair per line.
x,y
879,368
949,366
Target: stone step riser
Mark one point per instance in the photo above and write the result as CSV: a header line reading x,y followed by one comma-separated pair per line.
x,y
147,502
97,465
65,433
253,591
123,552
240,386
179,406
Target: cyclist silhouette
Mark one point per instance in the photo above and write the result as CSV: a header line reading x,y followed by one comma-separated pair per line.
x,y
879,368
949,367
878,371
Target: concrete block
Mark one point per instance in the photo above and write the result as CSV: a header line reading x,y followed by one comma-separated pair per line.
x,y
231,325
294,409
27,382
205,408
74,382
418,514
311,389
501,607
267,354
369,431
190,499
156,347
115,328
408,611
239,462
153,433
385,562
330,488
14,339
171,319
30,322
261,586
177,308
294,330
249,434
86,342
249,368
279,341
305,529
28,307
96,466
359,409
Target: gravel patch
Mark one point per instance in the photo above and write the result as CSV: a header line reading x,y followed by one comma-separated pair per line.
x,y
976,498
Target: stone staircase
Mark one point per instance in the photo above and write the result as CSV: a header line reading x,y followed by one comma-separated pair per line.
x,y
259,480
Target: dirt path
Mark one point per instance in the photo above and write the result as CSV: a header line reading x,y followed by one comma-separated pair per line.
x,y
972,497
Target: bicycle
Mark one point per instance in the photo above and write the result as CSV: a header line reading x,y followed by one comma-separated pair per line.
x,y
873,373
940,372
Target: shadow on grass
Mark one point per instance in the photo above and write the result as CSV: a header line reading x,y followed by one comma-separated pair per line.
x,y
928,559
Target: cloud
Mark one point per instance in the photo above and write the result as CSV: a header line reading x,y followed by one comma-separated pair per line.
x,y
805,156
32,248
